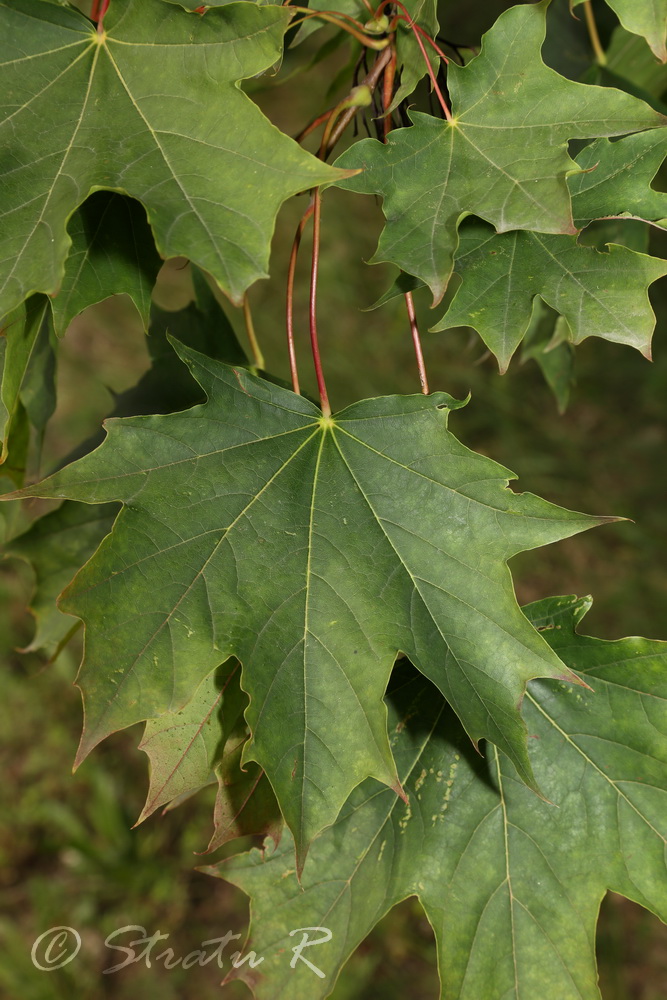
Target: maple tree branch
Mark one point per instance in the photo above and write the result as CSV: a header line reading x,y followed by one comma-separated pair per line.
x,y
371,81
355,28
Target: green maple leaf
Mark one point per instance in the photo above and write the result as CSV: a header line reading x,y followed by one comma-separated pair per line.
x,y
312,549
511,884
602,294
598,294
112,253
135,109
503,157
642,17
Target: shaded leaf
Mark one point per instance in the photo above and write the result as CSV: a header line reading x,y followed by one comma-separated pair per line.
x,y
168,386
56,546
245,803
511,884
503,158
112,252
13,519
202,325
312,549
629,56
26,367
567,46
547,341
133,109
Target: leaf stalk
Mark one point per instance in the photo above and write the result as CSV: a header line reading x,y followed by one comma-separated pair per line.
x,y
596,44
256,350
314,343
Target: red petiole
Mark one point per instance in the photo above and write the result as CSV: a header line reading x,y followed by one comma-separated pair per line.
x,y
314,343
99,9
290,296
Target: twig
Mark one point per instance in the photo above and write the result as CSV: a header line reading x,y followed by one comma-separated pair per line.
x,y
416,340
371,81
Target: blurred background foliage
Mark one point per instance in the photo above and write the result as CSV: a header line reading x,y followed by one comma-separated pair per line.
x,y
68,854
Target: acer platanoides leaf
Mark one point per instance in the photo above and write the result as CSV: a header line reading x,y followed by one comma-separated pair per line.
x,y
151,108
313,549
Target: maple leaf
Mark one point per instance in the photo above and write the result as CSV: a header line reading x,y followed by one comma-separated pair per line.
x,y
313,549
598,294
151,108
503,157
602,294
510,883
642,17
630,59
547,341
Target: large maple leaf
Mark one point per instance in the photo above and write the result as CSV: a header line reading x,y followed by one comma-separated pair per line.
x,y
511,884
150,107
503,157
313,549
